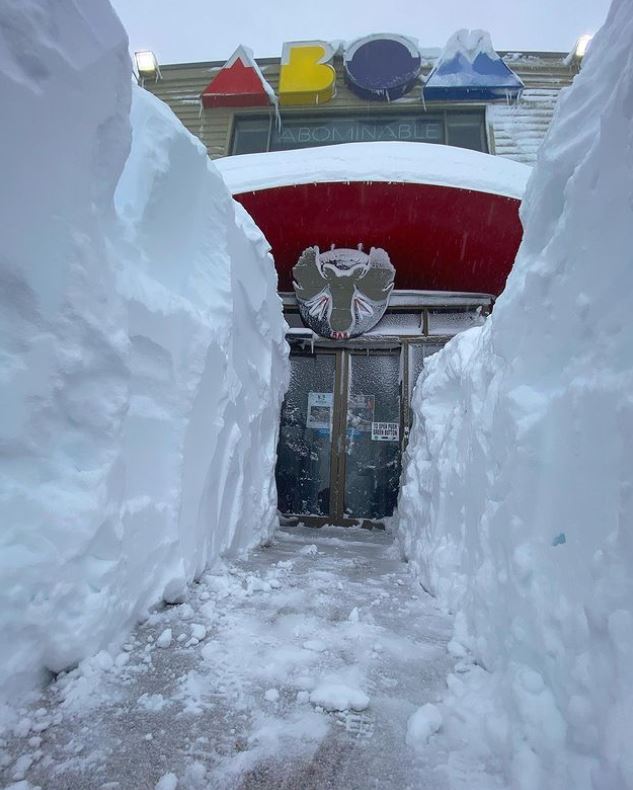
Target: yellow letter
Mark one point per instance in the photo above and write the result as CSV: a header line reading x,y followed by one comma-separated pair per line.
x,y
306,77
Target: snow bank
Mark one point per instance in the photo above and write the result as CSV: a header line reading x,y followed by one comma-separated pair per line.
x,y
412,163
143,359
517,502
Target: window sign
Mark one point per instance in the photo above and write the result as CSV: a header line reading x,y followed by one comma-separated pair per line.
x,y
385,432
360,413
308,133
320,410
465,129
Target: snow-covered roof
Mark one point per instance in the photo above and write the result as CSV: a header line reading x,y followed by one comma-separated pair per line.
x,y
417,163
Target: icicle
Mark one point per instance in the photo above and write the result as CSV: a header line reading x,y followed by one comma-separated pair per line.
x,y
423,99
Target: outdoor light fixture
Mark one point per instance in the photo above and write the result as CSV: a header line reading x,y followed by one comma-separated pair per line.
x,y
581,46
146,63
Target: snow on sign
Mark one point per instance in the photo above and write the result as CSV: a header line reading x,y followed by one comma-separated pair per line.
x,y
342,293
469,69
239,83
319,410
382,67
385,431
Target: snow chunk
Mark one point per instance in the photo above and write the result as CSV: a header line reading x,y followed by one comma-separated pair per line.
x,y
175,591
339,696
271,695
164,640
198,631
167,782
426,721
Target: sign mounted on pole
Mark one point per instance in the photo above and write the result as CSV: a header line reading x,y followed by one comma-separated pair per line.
x,y
239,83
382,67
306,76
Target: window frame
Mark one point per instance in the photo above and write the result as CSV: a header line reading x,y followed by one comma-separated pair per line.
x,y
444,113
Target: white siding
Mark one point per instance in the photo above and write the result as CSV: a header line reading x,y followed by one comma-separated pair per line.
x,y
518,129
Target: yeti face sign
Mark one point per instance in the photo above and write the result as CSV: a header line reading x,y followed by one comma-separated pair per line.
x,y
342,293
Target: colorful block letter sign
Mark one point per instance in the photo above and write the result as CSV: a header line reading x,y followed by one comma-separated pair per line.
x,y
239,83
306,75
382,67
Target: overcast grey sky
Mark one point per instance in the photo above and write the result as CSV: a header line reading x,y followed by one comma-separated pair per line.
x,y
192,30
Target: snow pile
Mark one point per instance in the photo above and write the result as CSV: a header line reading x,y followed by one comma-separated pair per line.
x,y
518,493
425,722
143,358
411,163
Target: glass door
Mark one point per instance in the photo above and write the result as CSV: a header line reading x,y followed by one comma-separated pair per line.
x,y
372,435
304,454
339,444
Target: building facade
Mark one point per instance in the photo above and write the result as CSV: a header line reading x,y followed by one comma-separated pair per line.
x,y
512,129
383,252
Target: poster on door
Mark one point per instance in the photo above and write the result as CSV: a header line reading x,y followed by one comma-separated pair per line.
x,y
360,412
320,410
385,431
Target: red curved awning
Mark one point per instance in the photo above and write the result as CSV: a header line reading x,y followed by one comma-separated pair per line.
x,y
438,237
448,217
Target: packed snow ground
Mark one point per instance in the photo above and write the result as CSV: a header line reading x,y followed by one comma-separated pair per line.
x,y
317,662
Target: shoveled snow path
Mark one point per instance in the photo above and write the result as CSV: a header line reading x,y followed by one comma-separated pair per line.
x,y
332,614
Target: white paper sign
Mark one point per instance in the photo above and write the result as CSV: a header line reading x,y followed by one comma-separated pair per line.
x,y
385,431
319,409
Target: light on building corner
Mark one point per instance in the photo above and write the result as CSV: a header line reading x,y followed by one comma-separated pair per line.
x,y
582,45
146,63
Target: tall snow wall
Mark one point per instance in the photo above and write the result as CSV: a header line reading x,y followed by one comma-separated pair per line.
x,y
142,343
517,500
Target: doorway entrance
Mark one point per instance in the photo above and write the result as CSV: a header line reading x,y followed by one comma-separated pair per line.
x,y
340,436
346,416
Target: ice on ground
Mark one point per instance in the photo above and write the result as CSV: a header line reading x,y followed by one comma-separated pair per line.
x,y
142,347
426,721
317,645
522,432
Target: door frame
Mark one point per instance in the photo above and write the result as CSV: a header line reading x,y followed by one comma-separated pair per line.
x,y
338,448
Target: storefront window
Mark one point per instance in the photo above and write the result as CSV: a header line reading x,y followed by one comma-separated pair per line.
x,y
463,129
466,130
251,135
